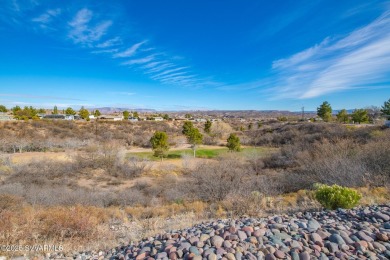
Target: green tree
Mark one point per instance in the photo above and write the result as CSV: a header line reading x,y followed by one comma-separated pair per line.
x,y
42,111
325,111
84,113
187,127
342,116
250,126
55,110
135,114
159,142
195,138
166,117
126,114
385,109
188,116
25,113
360,116
207,126
15,109
233,143
3,109
97,113
33,111
70,111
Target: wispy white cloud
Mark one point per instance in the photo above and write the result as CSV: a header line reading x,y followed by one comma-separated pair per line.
x,y
81,30
165,76
48,16
170,71
110,43
360,59
139,61
105,51
93,31
152,64
160,67
130,51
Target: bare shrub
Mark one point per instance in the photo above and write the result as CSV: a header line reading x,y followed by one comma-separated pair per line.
x,y
213,181
134,167
251,203
132,197
376,157
221,130
10,202
112,159
334,163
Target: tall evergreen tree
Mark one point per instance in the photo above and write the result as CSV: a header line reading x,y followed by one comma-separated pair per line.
x,y
207,126
386,109
187,127
360,116
325,111
3,109
70,111
342,116
159,142
195,138
126,114
233,143
84,113
97,113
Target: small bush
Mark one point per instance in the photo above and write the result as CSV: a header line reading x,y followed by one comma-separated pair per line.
x,y
335,196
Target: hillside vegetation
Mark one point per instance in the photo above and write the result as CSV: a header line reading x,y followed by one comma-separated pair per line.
x,y
101,180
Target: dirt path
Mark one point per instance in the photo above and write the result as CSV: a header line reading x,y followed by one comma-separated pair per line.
x,y
29,156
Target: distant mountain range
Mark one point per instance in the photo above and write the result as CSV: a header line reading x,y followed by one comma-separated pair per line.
x,y
111,110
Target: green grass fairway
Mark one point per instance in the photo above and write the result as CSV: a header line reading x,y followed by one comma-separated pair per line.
x,y
204,152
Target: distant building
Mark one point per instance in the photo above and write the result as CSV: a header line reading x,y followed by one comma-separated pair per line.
x,y
92,117
200,120
41,116
158,118
110,118
5,117
133,119
61,117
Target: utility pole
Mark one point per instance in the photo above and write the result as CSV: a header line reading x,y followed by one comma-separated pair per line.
x,y
303,113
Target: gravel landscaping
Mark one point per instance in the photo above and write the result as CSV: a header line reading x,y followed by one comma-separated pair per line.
x,y
360,233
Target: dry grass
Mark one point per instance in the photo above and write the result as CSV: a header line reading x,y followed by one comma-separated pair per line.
x,y
81,228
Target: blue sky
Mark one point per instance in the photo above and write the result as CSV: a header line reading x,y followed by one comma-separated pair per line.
x,y
183,55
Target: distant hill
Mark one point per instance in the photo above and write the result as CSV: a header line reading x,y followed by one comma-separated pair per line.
x,y
110,110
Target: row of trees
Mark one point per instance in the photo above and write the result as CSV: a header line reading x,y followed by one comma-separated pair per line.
x,y
324,111
32,113
160,143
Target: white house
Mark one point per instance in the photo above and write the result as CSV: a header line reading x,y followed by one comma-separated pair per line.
x,y
5,117
133,119
158,118
61,117
110,118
